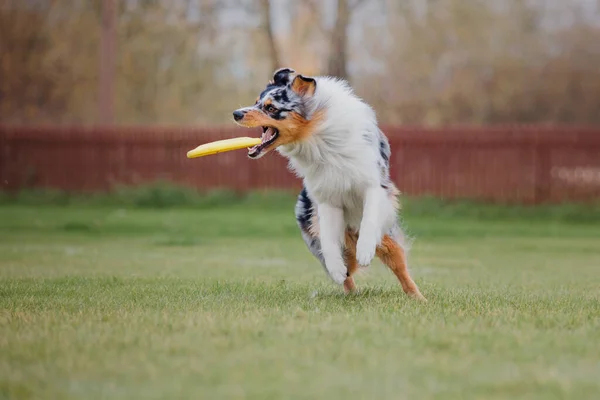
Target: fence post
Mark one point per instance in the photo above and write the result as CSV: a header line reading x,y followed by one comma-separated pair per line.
x,y
3,156
541,173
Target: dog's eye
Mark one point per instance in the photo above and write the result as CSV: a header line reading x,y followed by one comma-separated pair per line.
x,y
270,108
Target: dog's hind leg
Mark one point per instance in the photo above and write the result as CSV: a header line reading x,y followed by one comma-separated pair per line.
x,y
392,254
350,260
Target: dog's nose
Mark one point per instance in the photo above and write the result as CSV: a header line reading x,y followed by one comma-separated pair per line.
x,y
237,115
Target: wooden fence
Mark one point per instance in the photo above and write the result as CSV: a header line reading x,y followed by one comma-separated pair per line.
x,y
514,164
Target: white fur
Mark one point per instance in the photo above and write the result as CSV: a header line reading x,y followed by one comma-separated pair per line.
x,y
340,166
332,227
378,214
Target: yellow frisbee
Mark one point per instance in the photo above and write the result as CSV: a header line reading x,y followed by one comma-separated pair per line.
x,y
220,146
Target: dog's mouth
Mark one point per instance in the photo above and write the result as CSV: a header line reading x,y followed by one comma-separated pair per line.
x,y
269,136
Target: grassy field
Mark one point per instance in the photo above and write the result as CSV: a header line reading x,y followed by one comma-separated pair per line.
x,y
124,303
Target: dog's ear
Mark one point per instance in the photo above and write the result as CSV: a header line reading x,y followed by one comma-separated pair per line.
x,y
304,86
283,76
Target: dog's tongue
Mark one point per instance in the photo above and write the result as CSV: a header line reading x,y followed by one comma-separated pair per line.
x,y
268,134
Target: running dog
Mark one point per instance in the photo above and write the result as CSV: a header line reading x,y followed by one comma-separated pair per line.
x,y
348,208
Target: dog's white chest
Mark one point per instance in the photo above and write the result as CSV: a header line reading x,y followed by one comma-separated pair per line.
x,y
343,188
337,170
332,182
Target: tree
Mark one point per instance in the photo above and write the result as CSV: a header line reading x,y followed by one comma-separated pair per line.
x,y
268,29
338,59
337,65
49,61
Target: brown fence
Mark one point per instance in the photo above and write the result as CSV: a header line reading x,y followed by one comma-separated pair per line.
x,y
514,164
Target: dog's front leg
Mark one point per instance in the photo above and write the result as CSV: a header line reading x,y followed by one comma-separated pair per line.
x,y
376,210
332,229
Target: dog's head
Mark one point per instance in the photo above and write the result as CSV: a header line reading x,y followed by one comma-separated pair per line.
x,y
281,110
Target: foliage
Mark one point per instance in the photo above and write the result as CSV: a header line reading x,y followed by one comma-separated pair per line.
x,y
193,61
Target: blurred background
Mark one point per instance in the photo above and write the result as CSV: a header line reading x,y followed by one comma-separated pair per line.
x,y
488,99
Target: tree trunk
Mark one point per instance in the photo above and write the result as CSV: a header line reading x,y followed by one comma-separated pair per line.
x,y
337,55
268,28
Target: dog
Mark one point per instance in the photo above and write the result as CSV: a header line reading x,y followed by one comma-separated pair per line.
x,y
347,210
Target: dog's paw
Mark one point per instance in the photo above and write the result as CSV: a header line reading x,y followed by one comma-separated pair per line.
x,y
338,273
365,250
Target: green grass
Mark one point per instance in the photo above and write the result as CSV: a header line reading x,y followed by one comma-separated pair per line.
x,y
98,301
164,195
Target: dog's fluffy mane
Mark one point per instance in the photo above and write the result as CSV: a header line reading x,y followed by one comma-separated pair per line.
x,y
346,147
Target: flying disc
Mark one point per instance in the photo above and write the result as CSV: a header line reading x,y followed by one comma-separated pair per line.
x,y
220,146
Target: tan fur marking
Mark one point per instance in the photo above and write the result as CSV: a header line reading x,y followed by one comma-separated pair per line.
x,y
303,86
314,224
350,260
392,255
291,130
255,118
393,194
296,128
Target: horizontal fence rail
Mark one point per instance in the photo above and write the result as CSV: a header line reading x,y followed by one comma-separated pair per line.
x,y
511,164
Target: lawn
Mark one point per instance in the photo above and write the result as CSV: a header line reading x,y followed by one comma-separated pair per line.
x,y
227,303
